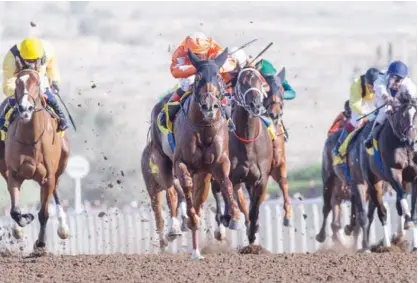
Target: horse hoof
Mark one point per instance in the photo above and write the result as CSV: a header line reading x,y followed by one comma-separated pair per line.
x,y
220,233
39,249
233,225
409,225
163,244
364,251
63,231
414,250
17,232
196,255
173,235
348,230
183,227
286,222
320,237
25,219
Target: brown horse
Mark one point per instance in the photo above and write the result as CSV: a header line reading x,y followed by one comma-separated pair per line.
x,y
334,191
273,102
393,159
157,180
33,150
275,105
201,133
250,149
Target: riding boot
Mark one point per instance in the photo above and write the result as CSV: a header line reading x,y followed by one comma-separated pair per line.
x,y
53,102
341,139
6,105
373,133
172,108
227,111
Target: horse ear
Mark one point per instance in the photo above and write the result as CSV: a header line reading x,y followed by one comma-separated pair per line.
x,y
193,58
281,75
220,60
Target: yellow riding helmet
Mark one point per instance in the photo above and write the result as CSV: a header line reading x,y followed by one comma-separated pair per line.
x,y
31,48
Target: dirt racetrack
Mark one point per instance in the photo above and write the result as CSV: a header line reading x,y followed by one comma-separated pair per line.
x,y
220,267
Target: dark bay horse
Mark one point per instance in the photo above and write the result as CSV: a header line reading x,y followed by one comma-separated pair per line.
x,y
201,135
34,150
250,150
393,159
334,190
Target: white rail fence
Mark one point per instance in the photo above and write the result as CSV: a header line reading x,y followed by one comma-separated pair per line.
x,y
93,233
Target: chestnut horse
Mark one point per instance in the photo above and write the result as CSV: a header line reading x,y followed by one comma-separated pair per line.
x,y
34,150
201,135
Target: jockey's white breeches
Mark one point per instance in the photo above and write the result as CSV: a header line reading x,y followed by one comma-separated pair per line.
x,y
367,107
185,83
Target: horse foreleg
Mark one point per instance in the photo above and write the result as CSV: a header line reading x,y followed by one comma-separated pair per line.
x,y
395,179
359,191
326,209
221,175
256,199
220,231
47,190
3,167
337,231
242,204
186,182
174,229
63,230
181,204
13,185
279,174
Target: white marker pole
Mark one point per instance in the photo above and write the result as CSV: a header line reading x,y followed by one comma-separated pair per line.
x,y
77,168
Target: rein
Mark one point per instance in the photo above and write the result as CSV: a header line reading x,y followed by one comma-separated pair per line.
x,y
244,140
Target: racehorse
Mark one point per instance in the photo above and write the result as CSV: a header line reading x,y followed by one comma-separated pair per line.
x,y
250,149
393,159
201,133
334,191
33,150
246,149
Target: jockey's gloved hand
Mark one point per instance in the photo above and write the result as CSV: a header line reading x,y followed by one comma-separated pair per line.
x,y
55,88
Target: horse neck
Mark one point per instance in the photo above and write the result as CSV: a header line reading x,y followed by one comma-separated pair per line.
x,y
32,131
247,126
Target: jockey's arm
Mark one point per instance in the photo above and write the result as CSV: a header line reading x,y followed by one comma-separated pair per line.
x,y
179,69
9,75
289,92
356,100
381,92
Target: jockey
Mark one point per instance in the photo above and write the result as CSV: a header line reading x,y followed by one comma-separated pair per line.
x,y
361,103
386,87
181,68
341,119
35,54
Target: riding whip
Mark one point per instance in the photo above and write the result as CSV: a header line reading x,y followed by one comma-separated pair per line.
x,y
243,46
381,106
262,52
66,109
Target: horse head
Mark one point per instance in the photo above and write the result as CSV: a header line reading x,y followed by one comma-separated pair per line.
x,y
275,96
207,85
28,94
249,91
404,118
